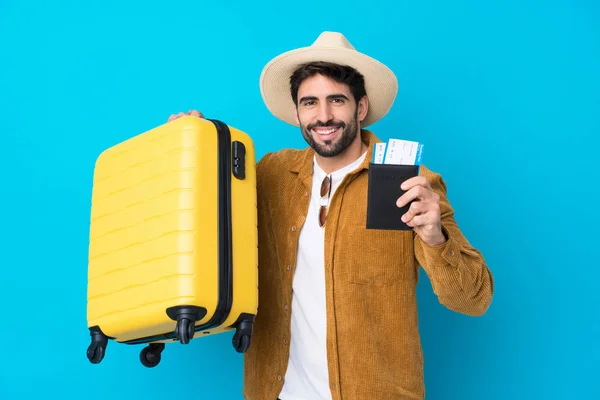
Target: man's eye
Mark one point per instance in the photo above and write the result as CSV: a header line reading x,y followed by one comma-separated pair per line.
x,y
309,103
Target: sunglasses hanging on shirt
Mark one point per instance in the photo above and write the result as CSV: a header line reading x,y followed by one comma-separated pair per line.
x,y
325,193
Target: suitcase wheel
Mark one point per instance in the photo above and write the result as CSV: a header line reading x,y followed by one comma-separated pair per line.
x,y
242,343
95,353
184,330
150,355
241,338
186,317
96,350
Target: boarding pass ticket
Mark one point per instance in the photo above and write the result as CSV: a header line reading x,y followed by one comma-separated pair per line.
x,y
399,152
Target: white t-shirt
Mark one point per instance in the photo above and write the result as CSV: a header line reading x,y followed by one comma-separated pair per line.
x,y
307,376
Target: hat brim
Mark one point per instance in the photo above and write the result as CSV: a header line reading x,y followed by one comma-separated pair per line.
x,y
380,82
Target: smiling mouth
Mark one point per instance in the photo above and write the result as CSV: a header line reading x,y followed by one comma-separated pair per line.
x,y
325,132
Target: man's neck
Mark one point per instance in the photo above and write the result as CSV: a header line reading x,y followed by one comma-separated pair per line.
x,y
352,153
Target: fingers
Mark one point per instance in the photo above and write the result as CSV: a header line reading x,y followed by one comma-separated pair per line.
x,y
173,117
417,192
415,209
425,220
415,181
422,214
193,113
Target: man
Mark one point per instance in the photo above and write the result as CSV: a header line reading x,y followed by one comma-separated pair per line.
x,y
337,313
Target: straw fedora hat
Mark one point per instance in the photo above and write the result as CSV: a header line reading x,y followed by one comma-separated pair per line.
x,y
380,82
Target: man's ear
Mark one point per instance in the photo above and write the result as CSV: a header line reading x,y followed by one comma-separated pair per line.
x,y
363,108
296,117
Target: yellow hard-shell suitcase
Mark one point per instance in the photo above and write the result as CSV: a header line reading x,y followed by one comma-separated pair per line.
x,y
173,239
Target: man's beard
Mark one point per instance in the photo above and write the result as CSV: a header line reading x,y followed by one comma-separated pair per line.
x,y
344,140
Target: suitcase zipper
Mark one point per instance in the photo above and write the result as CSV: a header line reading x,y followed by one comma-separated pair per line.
x,y
225,298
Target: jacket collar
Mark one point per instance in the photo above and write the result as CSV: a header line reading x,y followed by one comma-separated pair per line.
x,y
303,162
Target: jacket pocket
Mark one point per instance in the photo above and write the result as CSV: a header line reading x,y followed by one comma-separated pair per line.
x,y
377,257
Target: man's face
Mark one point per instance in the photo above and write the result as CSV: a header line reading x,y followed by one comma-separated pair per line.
x,y
327,114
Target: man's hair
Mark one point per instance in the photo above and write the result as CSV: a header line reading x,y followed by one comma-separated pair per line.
x,y
339,73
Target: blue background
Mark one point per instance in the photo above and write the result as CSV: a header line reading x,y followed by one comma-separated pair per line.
x,y
505,95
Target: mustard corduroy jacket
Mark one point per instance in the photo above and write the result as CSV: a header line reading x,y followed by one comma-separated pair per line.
x,y
373,343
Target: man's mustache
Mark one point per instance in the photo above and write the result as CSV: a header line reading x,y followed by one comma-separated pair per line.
x,y
328,124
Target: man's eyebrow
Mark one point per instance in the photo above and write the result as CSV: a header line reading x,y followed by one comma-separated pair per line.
x,y
330,97
337,96
306,98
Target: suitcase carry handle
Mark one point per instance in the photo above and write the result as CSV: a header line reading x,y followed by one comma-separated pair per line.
x,y
238,158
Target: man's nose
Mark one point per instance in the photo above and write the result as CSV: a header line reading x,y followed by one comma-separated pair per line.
x,y
324,113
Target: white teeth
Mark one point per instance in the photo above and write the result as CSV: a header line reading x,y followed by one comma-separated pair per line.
x,y
327,132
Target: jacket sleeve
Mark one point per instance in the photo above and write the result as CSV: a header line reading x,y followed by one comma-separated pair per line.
x,y
458,272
